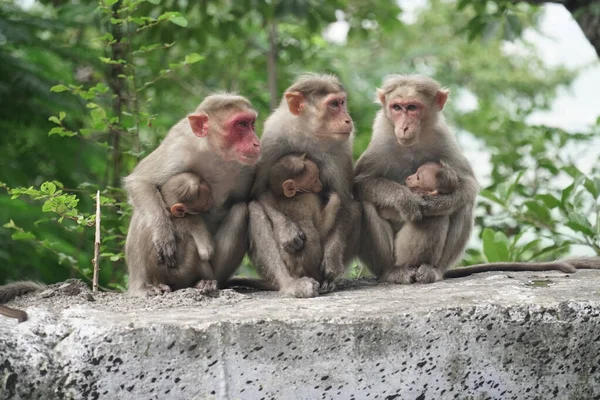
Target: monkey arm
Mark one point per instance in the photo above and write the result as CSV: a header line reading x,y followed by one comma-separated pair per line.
x,y
329,214
289,236
448,204
148,203
385,193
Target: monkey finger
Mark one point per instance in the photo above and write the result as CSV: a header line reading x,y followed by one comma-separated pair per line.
x,y
327,286
207,286
159,289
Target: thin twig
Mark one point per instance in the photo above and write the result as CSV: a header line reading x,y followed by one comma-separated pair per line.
x,y
96,245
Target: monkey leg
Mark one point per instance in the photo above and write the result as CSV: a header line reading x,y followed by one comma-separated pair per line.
x,y
231,243
418,249
459,232
142,260
340,246
265,254
376,248
207,286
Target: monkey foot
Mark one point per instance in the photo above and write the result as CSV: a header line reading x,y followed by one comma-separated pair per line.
x,y
207,286
158,290
302,288
428,274
402,275
327,286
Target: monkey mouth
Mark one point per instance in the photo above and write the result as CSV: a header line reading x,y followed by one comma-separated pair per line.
x,y
408,142
249,159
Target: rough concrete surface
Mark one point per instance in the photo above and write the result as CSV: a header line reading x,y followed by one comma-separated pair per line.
x,y
490,336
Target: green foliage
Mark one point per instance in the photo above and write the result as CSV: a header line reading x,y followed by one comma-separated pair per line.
x,y
88,88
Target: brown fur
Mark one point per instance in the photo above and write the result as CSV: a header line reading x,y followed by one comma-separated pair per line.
x,y
400,143
303,124
151,244
295,185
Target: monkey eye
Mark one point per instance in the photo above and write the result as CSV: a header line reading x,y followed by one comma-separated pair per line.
x,y
411,107
244,123
335,103
397,107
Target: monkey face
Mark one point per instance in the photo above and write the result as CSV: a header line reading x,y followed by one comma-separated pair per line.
x,y
232,134
424,179
336,120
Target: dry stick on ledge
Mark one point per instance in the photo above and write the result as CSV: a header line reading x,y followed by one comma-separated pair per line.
x,y
96,245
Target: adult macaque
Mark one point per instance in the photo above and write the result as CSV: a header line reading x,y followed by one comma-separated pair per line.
x,y
312,119
295,184
217,143
186,196
408,132
9,291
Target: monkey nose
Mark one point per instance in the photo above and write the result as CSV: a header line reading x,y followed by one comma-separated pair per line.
x,y
348,121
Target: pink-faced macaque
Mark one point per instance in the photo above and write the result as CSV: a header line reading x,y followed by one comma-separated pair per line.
x,y
218,144
408,132
311,119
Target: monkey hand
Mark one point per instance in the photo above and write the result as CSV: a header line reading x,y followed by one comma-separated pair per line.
x,y
410,208
327,286
302,288
290,237
165,242
334,200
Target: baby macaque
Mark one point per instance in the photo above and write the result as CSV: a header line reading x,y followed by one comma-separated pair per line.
x,y
186,196
430,179
295,187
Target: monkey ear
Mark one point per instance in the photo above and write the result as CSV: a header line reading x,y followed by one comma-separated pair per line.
x,y
440,98
381,96
199,124
289,188
295,102
178,210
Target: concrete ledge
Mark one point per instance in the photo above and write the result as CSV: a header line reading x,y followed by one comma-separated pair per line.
x,y
493,336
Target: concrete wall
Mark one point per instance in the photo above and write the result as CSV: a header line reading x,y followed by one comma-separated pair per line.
x,y
494,336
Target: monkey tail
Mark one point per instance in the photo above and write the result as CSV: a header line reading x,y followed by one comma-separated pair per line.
x,y
566,266
251,283
592,262
12,290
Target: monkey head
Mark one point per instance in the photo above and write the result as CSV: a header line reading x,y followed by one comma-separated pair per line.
x,y
433,178
294,174
228,124
425,178
412,104
319,101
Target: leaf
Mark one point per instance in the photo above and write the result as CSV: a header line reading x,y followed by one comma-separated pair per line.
x,y
10,225
579,223
590,185
157,2
109,3
58,88
539,211
54,119
193,58
179,20
549,200
495,247
23,236
48,188
491,196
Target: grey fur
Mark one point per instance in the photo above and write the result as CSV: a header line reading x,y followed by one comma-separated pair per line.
x,y
152,236
285,133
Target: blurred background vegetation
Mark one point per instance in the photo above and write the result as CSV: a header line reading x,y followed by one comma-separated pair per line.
x,y
88,88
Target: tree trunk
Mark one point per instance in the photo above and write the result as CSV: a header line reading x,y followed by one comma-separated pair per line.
x,y
272,65
585,12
